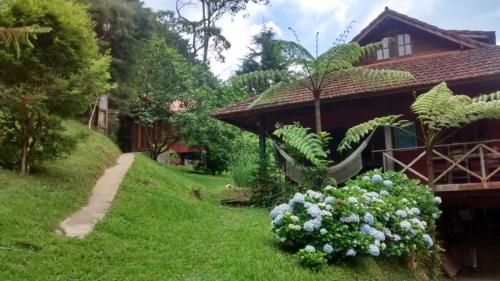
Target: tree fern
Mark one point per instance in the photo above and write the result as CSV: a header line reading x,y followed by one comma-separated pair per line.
x,y
358,132
308,145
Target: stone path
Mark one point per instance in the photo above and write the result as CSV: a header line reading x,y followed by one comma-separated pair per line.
x,y
83,221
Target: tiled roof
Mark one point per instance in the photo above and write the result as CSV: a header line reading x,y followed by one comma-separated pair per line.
x,y
448,34
450,66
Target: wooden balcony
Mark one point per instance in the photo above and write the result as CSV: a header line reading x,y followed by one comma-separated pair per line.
x,y
466,166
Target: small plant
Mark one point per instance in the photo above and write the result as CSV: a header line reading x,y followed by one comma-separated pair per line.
x,y
376,214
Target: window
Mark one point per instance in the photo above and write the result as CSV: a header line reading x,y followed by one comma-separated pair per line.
x,y
404,45
406,137
384,52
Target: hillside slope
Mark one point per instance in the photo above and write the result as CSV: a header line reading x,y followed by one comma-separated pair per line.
x,y
155,230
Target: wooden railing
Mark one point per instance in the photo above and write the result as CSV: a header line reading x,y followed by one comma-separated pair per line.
x,y
464,165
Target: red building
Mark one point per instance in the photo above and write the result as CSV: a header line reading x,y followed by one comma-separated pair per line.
x,y
467,167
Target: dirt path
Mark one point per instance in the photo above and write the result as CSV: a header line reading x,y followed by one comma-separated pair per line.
x,y
83,221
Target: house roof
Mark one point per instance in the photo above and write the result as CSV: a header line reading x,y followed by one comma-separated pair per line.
x,y
452,35
479,61
428,70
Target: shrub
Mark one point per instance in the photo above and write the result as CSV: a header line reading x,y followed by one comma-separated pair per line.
x,y
376,214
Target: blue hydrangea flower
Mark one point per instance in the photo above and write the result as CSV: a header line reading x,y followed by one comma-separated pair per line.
x,y
307,205
328,249
277,220
396,237
415,210
428,240
314,194
309,249
317,223
372,194
298,198
365,228
438,200
405,225
376,234
373,250
401,213
314,211
351,253
368,218
329,207
384,193
388,183
377,178
280,210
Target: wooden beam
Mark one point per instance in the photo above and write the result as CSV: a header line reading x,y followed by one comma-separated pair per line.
x,y
388,163
262,150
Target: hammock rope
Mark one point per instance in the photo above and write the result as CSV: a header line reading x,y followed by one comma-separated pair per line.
x,y
341,172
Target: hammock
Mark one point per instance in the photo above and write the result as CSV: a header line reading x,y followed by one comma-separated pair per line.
x,y
341,172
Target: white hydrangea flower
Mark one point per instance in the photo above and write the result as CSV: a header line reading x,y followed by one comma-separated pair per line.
x,y
309,249
405,225
438,200
314,211
350,218
384,193
294,218
351,253
309,226
369,219
280,210
377,178
401,213
388,183
352,200
415,210
314,194
373,250
366,178
328,187
323,231
329,207
329,199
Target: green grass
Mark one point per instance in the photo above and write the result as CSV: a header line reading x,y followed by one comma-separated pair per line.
x,y
155,230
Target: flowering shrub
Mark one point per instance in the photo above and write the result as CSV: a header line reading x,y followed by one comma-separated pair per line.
x,y
376,214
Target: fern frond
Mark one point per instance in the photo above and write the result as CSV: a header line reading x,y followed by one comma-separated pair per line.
x,y
291,52
358,132
309,145
476,111
260,77
487,97
338,57
439,109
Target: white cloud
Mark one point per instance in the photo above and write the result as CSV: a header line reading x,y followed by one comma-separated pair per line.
x,y
416,9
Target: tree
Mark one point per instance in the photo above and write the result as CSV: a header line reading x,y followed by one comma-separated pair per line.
x,y
438,111
43,85
205,33
163,77
262,57
312,71
14,37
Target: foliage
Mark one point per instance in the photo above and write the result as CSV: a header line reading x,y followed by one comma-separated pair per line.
x,y
312,71
358,132
163,78
205,33
243,165
56,79
376,214
305,145
14,37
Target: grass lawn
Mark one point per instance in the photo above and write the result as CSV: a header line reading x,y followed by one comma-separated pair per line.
x,y
155,230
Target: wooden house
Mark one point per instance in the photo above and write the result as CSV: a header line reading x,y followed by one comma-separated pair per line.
x,y
467,166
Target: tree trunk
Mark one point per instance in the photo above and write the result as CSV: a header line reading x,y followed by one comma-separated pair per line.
x,y
23,169
206,26
317,113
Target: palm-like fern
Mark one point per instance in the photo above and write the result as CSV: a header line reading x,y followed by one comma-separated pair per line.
x,y
312,71
308,145
357,133
13,37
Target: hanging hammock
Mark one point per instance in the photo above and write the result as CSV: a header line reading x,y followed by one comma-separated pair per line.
x,y
341,172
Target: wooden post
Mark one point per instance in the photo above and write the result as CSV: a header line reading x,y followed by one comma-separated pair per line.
x,y
482,160
262,151
388,163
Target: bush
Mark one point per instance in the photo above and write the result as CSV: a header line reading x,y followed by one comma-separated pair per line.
x,y
376,214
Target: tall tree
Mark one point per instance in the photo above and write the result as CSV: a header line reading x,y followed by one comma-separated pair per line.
x,y
54,80
204,32
313,71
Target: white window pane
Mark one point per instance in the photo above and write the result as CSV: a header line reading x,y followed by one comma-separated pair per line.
x,y
386,53
385,43
379,55
401,51
408,49
400,40
407,38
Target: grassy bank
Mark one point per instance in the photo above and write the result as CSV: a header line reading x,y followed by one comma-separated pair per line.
x,y
156,229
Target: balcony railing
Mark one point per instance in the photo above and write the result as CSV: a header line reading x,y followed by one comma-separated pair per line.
x,y
457,166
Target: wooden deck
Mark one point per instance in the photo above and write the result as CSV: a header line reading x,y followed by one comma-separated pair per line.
x,y
463,166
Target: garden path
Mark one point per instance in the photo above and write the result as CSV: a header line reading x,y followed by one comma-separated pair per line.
x,y
83,221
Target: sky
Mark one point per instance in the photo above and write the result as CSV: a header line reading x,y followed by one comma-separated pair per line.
x,y
331,17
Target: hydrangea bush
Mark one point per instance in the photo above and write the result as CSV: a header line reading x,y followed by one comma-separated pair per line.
x,y
376,214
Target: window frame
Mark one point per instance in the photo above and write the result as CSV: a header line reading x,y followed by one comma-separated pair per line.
x,y
404,44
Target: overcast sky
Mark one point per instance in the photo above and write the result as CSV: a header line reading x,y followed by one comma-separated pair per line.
x,y
330,17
